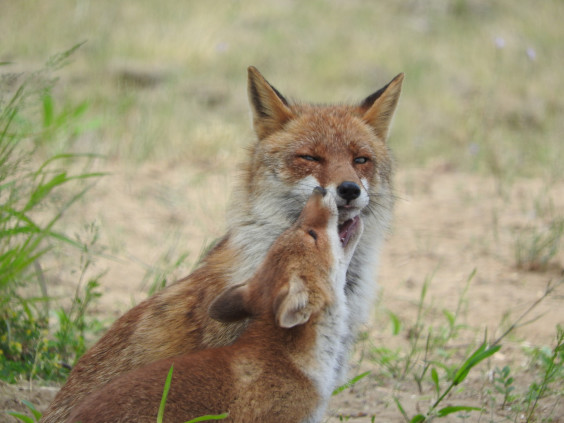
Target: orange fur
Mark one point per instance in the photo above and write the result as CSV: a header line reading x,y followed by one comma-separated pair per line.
x,y
265,374
299,146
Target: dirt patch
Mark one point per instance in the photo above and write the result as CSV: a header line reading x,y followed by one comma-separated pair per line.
x,y
447,226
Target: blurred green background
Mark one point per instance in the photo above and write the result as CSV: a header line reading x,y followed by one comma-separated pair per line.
x,y
167,80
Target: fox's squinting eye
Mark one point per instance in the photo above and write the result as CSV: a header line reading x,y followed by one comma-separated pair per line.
x,y
309,158
313,234
361,160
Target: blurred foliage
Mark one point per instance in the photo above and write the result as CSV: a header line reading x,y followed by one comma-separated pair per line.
x,y
35,192
482,87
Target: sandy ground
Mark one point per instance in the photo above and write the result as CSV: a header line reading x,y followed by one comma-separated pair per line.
x,y
447,224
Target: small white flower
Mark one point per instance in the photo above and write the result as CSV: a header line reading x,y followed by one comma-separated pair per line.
x,y
222,47
531,54
499,42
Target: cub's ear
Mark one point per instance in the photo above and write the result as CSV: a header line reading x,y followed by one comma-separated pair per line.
x,y
270,109
378,109
291,306
230,305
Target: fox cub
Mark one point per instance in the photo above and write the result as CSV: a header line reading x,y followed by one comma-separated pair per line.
x,y
342,148
283,367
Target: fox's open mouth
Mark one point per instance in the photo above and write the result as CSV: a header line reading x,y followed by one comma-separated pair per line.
x,y
347,230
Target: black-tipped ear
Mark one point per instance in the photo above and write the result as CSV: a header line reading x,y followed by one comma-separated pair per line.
x,y
378,109
270,109
230,305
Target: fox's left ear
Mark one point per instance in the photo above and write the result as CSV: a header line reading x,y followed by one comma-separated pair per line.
x,y
270,109
291,305
231,305
378,109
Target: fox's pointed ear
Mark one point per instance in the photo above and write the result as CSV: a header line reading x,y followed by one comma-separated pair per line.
x,y
231,305
378,109
270,109
291,306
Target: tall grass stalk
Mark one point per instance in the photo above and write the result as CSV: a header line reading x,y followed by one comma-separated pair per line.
x,y
35,193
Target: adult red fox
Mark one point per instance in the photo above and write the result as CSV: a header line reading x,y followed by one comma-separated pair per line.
x,y
284,366
342,148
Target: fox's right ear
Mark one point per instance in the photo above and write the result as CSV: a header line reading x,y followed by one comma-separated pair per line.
x,y
230,305
270,109
291,306
378,109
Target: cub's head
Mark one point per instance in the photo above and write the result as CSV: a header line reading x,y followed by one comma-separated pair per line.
x,y
303,272
340,148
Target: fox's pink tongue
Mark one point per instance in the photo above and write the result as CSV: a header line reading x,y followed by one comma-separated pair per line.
x,y
346,230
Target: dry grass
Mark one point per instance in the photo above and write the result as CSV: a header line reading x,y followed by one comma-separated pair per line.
x,y
483,79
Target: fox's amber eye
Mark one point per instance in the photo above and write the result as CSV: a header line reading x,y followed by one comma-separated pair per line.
x,y
309,158
361,160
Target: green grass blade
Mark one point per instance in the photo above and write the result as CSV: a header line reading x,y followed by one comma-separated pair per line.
x,y
455,409
36,413
20,416
43,190
350,383
59,60
11,213
435,377
401,409
64,238
48,109
396,323
479,355
165,394
207,418
68,156
160,414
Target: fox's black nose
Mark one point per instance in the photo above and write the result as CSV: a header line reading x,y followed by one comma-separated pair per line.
x,y
348,191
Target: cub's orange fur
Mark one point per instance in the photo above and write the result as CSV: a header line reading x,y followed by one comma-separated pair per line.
x,y
299,146
283,367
